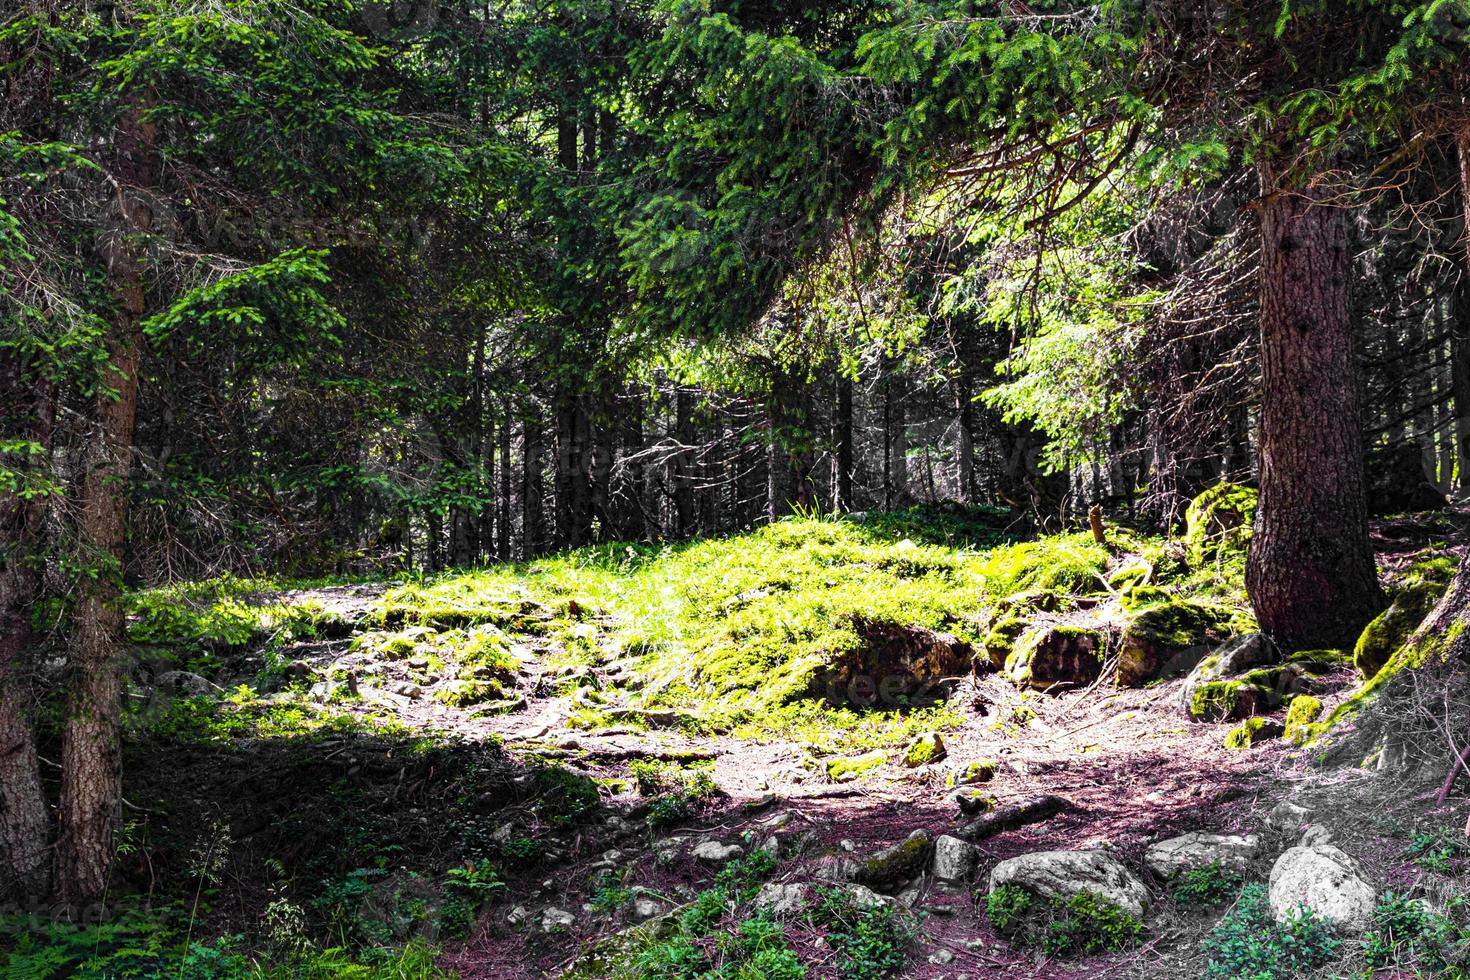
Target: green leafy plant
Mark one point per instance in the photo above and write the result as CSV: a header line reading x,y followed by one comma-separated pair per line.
x,y
1437,851
1211,884
870,941
1248,944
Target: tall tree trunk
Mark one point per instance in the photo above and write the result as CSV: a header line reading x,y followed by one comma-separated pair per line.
x,y
842,437
533,530
684,516
26,413
502,526
896,450
964,444
91,764
1311,575
1460,331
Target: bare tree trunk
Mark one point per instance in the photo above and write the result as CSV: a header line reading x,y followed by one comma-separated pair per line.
x,y
502,530
26,414
1460,333
842,437
896,452
533,530
684,462
91,764
1311,575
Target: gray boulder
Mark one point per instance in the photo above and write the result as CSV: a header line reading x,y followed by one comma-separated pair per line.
x,y
1176,855
1059,875
954,859
1324,879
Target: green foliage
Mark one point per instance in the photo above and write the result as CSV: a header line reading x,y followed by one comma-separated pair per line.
x,y
1408,934
218,614
870,940
1211,884
1247,944
678,791
1085,923
1007,907
1438,851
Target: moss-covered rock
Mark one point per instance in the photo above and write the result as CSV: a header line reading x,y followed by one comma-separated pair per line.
x,y
849,768
1069,563
1251,731
1142,596
1387,632
1153,641
1131,575
1253,693
1000,640
1242,654
924,749
1321,661
1217,523
895,865
1300,715
979,771
900,658
1049,656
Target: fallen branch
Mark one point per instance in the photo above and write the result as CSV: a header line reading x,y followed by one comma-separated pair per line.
x,y
1013,815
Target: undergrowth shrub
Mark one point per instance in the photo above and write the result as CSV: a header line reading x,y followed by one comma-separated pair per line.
x,y
1247,944
1408,934
1086,923
1211,884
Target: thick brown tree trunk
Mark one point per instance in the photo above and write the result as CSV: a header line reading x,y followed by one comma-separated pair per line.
x,y
26,413
1311,575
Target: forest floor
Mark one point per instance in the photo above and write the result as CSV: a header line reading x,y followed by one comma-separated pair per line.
x,y
521,765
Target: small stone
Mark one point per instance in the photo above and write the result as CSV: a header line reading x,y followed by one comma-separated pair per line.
x,y
780,899
1316,833
979,771
941,957
1060,875
645,908
847,846
973,802
772,846
1289,817
713,852
556,920
897,864
517,916
954,859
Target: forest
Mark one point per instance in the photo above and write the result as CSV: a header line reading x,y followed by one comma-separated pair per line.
x,y
717,490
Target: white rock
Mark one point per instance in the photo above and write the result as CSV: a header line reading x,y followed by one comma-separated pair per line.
x,y
646,908
781,899
1324,879
1289,817
1316,833
556,920
1059,875
940,957
517,916
1195,850
954,859
864,897
713,852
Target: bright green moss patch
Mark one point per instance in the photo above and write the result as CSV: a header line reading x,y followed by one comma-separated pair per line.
x,y
1304,710
1073,563
1218,524
1251,731
1387,632
219,614
849,768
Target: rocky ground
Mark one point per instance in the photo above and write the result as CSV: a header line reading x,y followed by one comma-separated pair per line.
x,y
1057,788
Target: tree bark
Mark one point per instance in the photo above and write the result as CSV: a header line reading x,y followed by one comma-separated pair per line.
x,y
91,764
502,528
896,451
533,530
842,436
684,516
1460,331
1311,576
26,413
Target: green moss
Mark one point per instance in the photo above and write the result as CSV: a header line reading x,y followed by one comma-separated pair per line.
x,y
1001,638
1143,596
1304,710
927,748
1070,563
1251,731
1320,661
1387,632
1052,654
1131,575
1410,656
979,771
1249,694
1218,523
854,767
